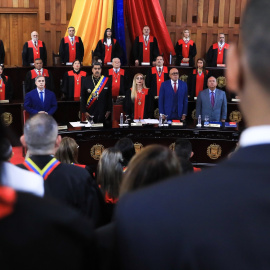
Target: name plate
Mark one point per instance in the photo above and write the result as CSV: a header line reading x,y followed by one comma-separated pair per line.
x,y
109,63
4,101
68,63
184,64
221,65
213,125
235,99
62,127
97,125
145,63
138,124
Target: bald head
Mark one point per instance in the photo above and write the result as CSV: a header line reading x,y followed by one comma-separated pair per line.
x,y
174,74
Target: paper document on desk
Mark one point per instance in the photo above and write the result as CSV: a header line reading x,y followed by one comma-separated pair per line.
x,y
79,124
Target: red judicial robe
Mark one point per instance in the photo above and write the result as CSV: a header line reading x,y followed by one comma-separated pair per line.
x,y
185,50
216,55
69,52
6,90
30,52
72,84
197,83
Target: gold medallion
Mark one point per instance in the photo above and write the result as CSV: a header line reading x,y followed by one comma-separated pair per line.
x,y
138,147
77,83
214,151
72,48
108,49
159,80
221,81
219,53
6,118
96,151
235,116
186,46
139,103
146,49
37,52
116,81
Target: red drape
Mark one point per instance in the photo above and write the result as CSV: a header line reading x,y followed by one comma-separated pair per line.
x,y
140,13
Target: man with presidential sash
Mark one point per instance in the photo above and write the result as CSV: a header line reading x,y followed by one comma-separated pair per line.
x,y
96,96
66,183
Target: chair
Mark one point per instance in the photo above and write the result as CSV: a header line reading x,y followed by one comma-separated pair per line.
x,y
56,60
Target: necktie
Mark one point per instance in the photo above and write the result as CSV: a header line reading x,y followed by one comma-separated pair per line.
x,y
35,44
175,88
212,99
116,71
72,40
41,96
39,73
159,70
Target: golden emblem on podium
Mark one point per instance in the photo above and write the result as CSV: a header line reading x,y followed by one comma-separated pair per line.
x,y
184,78
96,151
172,146
214,151
235,116
221,81
138,147
6,118
193,114
156,113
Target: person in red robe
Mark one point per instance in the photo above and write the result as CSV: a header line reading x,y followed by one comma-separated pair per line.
x,y
5,85
71,47
216,54
185,49
33,49
107,48
72,82
139,100
145,48
197,80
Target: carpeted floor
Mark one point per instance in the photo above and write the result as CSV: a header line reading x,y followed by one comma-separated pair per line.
x,y
18,156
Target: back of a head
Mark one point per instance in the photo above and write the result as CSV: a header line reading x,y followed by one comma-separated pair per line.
x,y
256,39
5,149
40,132
126,147
153,164
183,148
110,171
67,151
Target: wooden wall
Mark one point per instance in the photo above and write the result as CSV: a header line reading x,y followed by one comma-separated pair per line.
x,y
204,18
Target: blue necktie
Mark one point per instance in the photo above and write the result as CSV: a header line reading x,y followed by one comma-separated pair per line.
x,y
41,97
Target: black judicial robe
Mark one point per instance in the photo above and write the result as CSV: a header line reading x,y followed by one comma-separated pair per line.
x,y
100,50
44,234
212,54
30,80
27,54
8,88
101,105
68,84
179,56
73,186
2,52
64,49
138,50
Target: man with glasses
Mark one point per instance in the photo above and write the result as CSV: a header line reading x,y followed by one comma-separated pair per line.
x,y
217,52
173,97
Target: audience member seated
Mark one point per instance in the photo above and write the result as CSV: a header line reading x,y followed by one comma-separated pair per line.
x,y
197,80
71,47
139,101
216,54
185,50
6,90
38,71
72,82
40,100
33,49
145,48
126,147
67,183
107,48
153,164
183,150
212,102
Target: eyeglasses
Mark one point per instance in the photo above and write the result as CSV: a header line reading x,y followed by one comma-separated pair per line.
x,y
175,73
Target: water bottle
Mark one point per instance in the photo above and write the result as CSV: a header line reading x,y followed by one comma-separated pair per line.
x,y
160,119
199,121
121,119
170,61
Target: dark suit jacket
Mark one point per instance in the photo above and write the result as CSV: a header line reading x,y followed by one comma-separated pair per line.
x,y
166,95
204,107
33,104
2,52
217,219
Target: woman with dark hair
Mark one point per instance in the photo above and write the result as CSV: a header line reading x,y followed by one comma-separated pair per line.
x,y
126,147
153,164
197,81
5,85
139,100
107,48
72,82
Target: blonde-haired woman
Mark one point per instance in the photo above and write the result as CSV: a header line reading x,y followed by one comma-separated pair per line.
x,y
139,101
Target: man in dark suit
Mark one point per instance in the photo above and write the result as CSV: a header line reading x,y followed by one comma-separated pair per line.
x,y
40,100
217,219
212,102
71,47
66,183
96,96
33,49
173,97
38,71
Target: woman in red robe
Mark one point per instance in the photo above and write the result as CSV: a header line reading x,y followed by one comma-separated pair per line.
x,y
5,85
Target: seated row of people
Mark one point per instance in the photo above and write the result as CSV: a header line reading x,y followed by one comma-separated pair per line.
x,y
145,49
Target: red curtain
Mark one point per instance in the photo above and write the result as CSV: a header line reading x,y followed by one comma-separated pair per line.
x,y
139,13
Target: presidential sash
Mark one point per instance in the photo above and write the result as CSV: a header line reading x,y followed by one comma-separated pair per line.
x,y
46,171
96,92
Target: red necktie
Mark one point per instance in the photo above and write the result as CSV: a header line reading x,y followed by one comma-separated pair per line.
x,y
212,99
175,88
39,73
